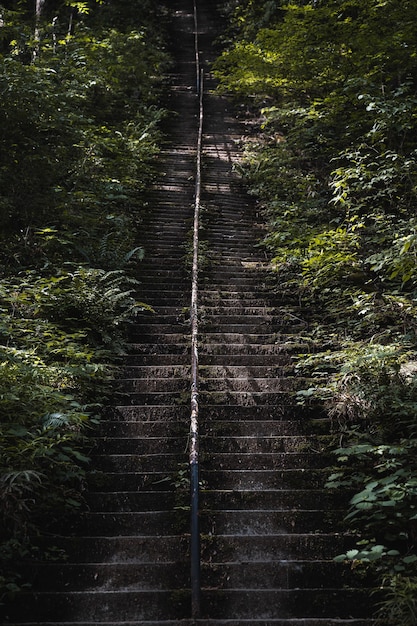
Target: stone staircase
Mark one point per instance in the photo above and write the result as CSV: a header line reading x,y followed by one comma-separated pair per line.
x,y
269,529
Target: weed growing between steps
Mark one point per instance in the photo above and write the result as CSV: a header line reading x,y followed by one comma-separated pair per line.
x,y
331,158
79,117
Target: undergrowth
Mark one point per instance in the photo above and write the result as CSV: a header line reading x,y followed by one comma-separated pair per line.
x,y
80,86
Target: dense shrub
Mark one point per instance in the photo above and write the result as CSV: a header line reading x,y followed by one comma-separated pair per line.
x,y
80,86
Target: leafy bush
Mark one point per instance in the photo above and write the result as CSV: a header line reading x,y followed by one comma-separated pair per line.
x,y
80,115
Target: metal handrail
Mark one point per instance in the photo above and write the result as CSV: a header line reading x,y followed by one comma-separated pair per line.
x,y
194,426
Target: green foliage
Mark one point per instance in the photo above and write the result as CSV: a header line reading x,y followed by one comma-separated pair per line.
x,y
80,132
80,86
400,606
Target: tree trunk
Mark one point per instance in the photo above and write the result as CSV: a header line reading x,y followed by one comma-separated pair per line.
x,y
39,4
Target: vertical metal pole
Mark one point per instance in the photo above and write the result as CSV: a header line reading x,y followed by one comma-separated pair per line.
x,y
197,52
194,440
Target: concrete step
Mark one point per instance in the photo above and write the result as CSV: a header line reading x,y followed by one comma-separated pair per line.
x,y
265,444
142,429
133,501
96,606
252,499
132,549
288,603
218,622
109,576
266,461
248,371
148,385
270,548
227,358
143,523
243,337
288,574
175,423
278,398
145,413
258,385
159,341
150,372
163,348
118,524
217,348
264,521
263,426
264,479
234,409
140,445
143,462
155,359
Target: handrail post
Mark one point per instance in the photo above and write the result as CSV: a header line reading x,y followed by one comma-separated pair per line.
x,y
194,426
197,52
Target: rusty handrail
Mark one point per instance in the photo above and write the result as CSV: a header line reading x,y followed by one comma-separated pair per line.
x,y
194,426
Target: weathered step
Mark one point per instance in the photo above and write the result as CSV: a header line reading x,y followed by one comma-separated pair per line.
x,y
168,398
278,361
286,574
264,370
265,444
147,413
262,427
133,501
275,547
267,461
239,309
142,462
136,428
140,445
268,603
148,385
170,348
253,478
114,523
240,348
220,325
252,499
130,481
161,360
135,606
228,318
162,270
212,296
248,398
159,329
235,281
161,321
170,296
269,521
220,622
287,409
246,338
175,312
108,576
257,385
158,341
131,549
